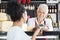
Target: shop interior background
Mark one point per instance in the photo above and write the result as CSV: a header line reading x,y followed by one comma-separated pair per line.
x,y
54,13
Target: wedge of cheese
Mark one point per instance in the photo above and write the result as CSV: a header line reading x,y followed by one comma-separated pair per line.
x,y
3,17
5,25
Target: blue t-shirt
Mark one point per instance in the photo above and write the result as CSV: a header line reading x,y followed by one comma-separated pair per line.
x,y
16,33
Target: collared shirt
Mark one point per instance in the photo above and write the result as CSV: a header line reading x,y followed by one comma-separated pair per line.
x,y
16,33
31,23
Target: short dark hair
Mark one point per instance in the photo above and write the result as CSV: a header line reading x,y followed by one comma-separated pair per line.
x,y
15,10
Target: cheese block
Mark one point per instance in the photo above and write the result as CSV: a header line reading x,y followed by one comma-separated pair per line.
x,y
3,17
5,25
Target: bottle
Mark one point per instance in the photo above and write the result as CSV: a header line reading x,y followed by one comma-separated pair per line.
x,y
55,10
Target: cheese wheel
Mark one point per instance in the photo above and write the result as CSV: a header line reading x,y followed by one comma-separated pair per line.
x,y
5,25
3,16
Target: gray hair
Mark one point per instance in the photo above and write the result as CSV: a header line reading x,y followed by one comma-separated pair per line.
x,y
45,7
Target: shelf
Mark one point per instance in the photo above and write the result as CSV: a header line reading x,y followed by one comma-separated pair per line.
x,y
4,2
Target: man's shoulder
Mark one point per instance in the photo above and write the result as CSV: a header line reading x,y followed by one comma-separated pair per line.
x,y
48,20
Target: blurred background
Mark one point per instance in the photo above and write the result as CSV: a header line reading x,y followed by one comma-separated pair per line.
x,y
31,7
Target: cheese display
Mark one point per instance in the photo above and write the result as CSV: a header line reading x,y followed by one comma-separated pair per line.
x,y
5,25
3,17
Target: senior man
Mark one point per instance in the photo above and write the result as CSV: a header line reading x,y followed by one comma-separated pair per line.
x,y
41,19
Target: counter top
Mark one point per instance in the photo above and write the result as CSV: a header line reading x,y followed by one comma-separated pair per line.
x,y
5,37
46,34
31,33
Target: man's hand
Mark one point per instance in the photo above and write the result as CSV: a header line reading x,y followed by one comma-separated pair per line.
x,y
36,27
38,32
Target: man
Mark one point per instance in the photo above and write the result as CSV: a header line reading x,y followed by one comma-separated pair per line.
x,y
37,22
18,16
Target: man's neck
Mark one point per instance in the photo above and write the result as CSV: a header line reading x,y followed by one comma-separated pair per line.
x,y
18,23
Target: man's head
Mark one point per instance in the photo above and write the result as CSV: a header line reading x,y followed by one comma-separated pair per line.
x,y
42,11
16,12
